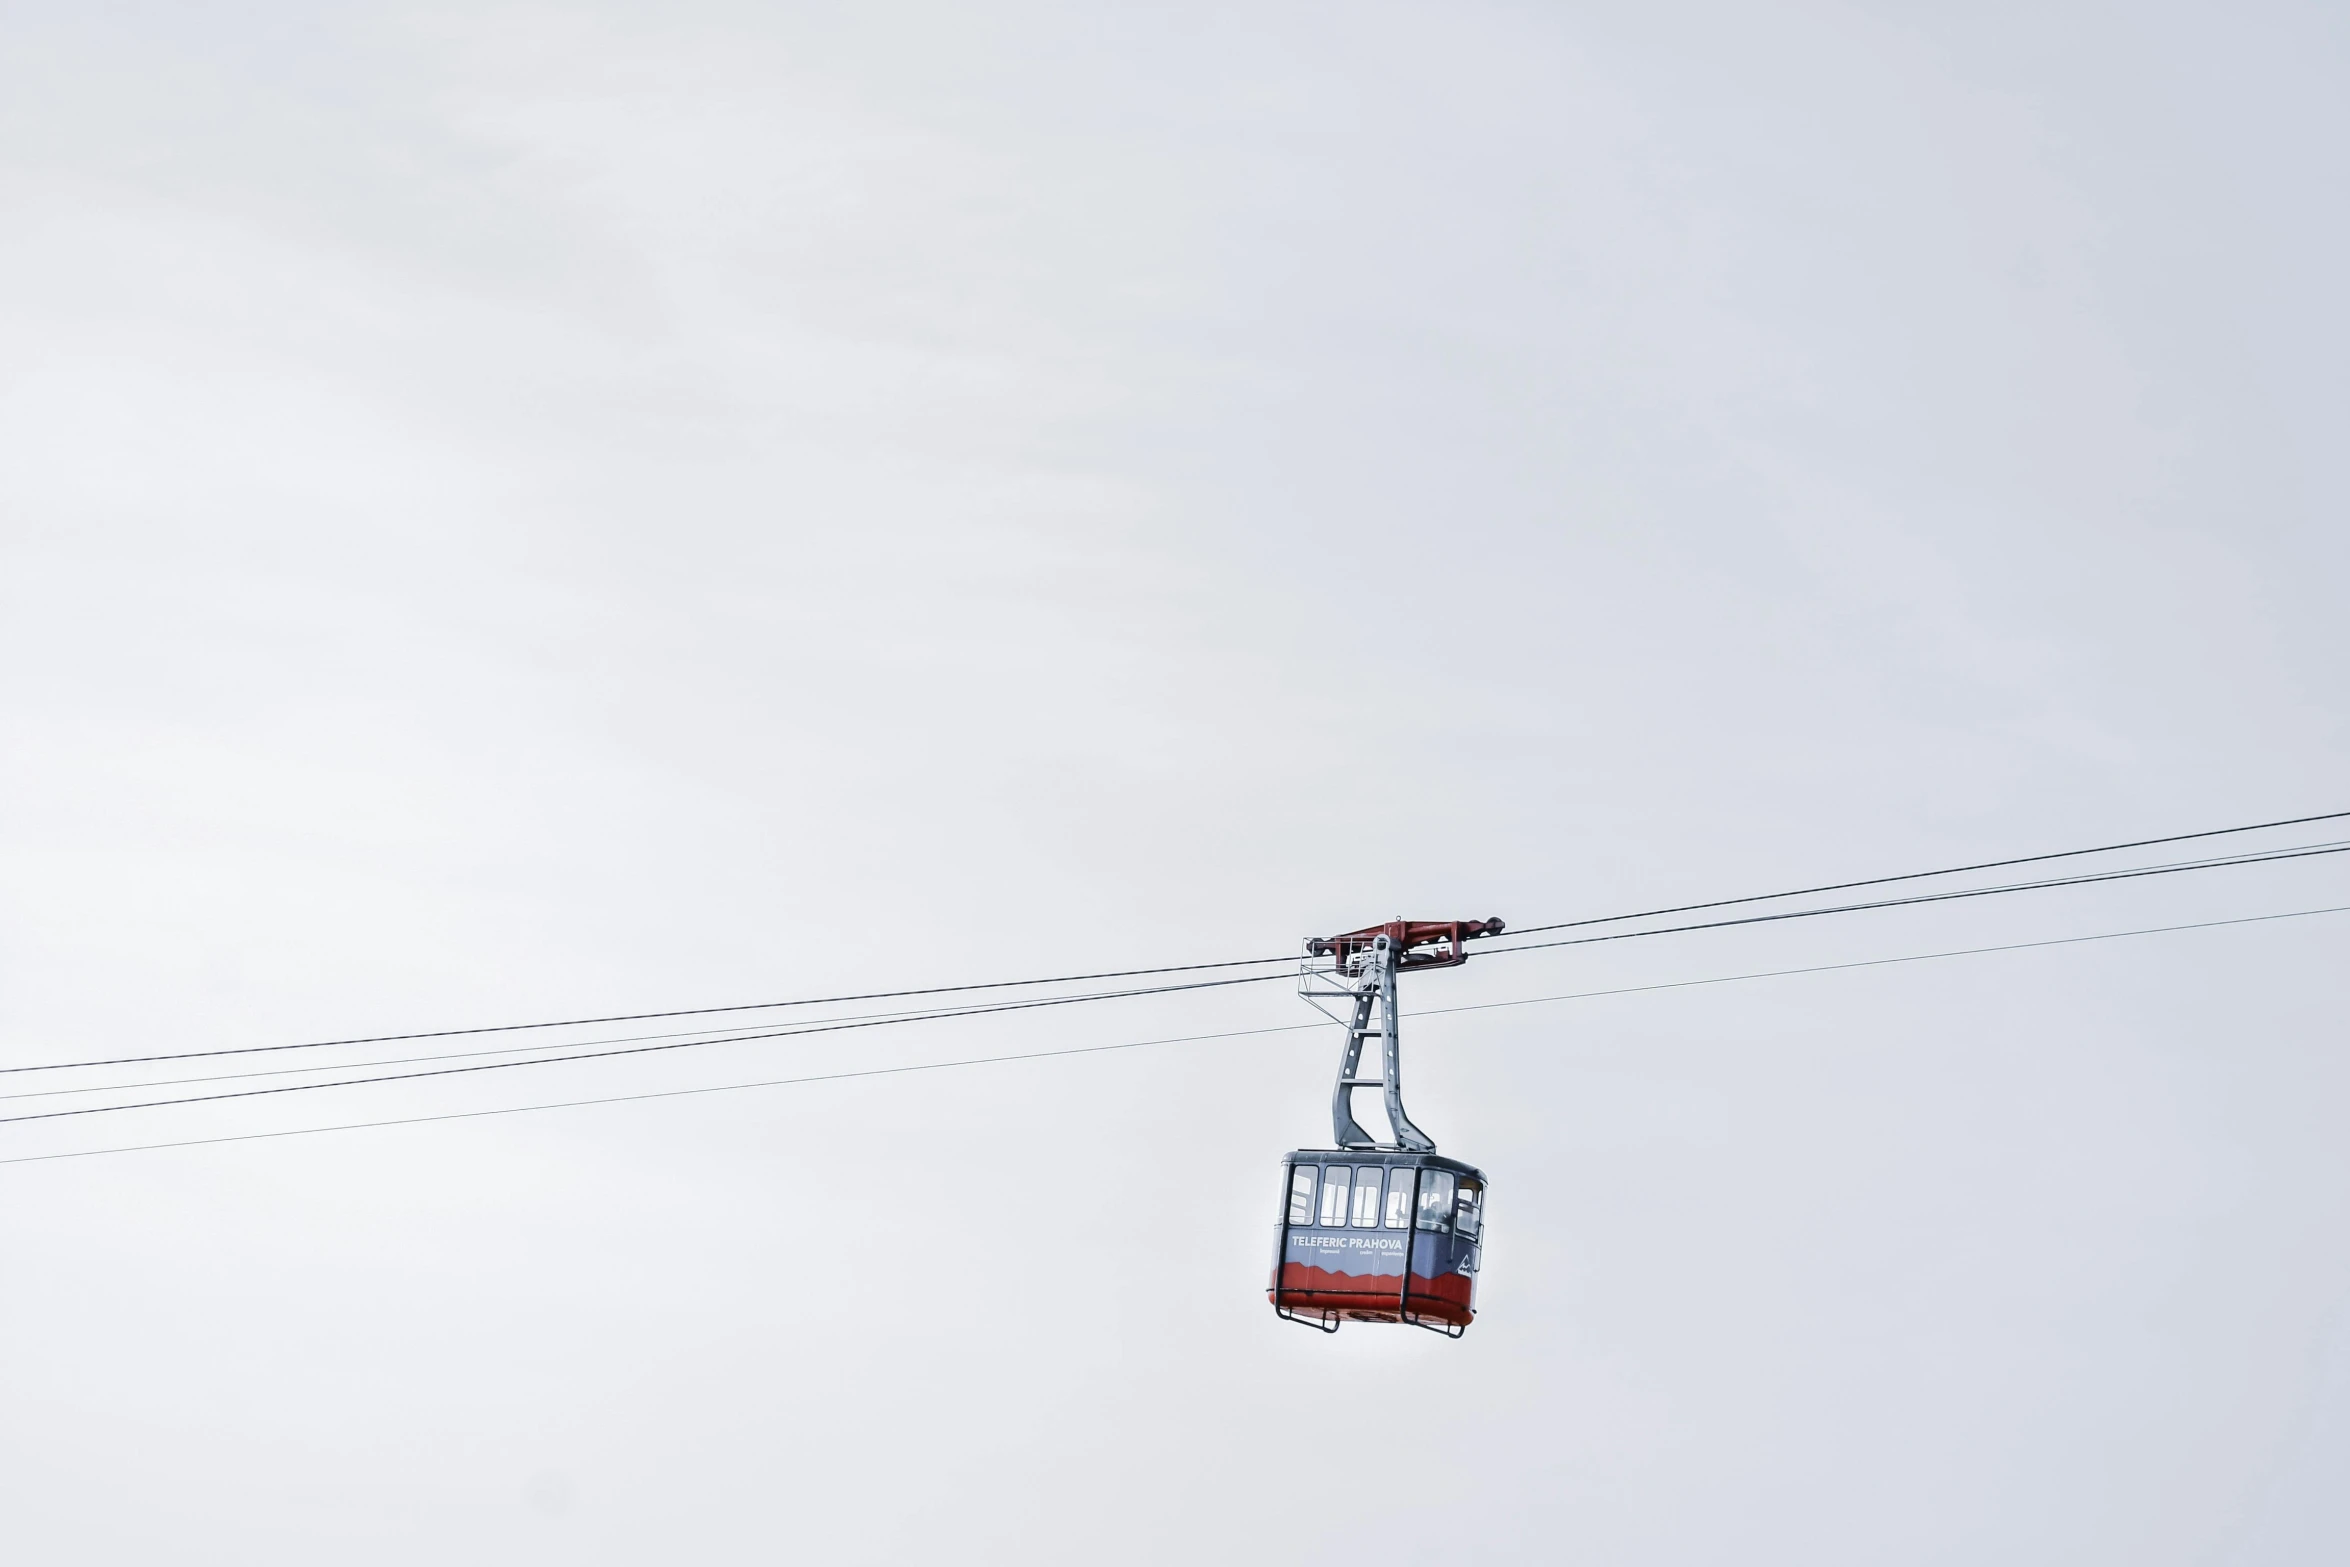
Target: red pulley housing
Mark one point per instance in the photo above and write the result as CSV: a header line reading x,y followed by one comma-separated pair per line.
x,y
1417,943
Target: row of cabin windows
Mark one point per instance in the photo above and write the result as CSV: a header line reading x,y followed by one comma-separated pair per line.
x,y
1351,1198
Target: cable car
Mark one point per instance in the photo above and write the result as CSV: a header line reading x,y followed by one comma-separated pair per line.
x,y
1372,1231
1370,1236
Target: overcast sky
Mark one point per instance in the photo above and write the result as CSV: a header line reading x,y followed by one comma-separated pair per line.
x,y
515,512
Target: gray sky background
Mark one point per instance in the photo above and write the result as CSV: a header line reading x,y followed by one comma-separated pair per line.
x,y
515,511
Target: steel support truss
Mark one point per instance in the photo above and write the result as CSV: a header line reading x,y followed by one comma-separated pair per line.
x,y
1357,991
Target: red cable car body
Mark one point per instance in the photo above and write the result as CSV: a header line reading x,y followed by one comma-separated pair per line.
x,y
1370,1236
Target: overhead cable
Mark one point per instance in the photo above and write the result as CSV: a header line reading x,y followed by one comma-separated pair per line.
x,y
2263,857
1184,968
632,1050
695,1038
1139,1044
712,1036
648,1017
1951,870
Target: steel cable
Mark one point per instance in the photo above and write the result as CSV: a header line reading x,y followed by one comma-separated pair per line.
x,y
697,1038
1139,1044
633,1050
938,990
2264,857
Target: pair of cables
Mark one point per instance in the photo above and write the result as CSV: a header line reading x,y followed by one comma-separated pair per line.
x,y
567,1052
1142,1044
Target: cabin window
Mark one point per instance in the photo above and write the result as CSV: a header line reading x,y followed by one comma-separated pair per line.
x,y
1301,1194
1436,1200
1471,1210
1334,1187
1399,1199
1366,1199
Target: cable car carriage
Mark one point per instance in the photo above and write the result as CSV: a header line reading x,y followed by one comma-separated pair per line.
x,y
1372,1231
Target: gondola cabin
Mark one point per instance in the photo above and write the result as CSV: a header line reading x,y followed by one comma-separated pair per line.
x,y
1369,1235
